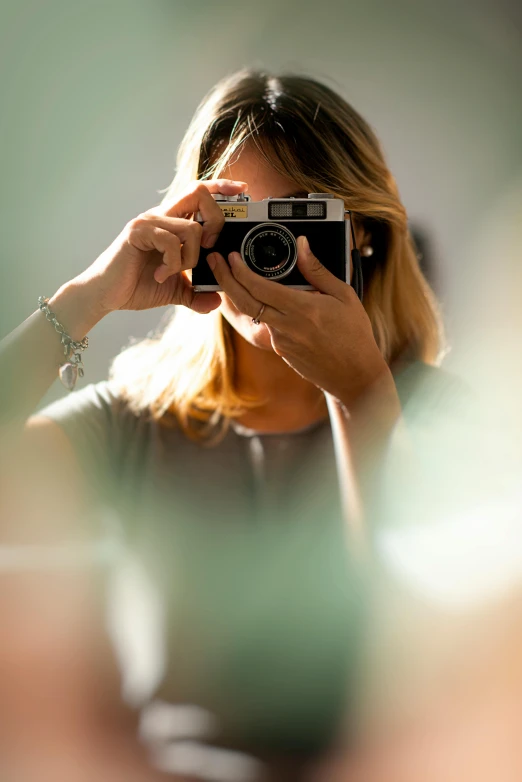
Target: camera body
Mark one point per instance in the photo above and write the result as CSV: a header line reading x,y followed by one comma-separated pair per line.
x,y
265,233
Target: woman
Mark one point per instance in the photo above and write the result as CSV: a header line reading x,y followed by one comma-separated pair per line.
x,y
212,439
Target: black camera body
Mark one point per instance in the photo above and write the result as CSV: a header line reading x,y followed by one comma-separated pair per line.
x,y
265,233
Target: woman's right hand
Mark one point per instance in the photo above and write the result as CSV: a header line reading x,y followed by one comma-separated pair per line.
x,y
145,265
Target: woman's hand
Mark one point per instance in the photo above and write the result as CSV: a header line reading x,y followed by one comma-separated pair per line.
x,y
325,335
145,265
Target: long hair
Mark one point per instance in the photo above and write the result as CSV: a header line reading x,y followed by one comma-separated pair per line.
x,y
184,373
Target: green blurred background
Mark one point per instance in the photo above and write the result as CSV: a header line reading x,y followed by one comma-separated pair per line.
x,y
96,96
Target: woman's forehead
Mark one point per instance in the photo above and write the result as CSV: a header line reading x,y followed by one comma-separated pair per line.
x,y
260,176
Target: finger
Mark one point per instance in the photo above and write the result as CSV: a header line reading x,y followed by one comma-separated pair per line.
x,y
240,296
316,274
202,303
172,263
146,236
188,231
270,292
199,199
191,246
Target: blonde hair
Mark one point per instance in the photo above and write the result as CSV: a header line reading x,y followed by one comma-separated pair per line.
x,y
305,131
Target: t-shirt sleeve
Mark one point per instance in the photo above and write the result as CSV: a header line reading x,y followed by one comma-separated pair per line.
x,y
92,420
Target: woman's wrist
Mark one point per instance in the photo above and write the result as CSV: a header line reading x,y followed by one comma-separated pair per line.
x,y
373,385
76,308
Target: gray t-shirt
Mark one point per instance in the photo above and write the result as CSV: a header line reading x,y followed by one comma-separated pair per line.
x,y
243,544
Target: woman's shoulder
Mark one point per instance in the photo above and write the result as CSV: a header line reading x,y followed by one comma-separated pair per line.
x,y
104,432
97,413
99,400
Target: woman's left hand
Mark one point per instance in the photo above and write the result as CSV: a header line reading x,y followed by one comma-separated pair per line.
x,y
327,338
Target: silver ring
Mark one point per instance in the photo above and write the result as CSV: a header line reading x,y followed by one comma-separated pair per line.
x,y
256,319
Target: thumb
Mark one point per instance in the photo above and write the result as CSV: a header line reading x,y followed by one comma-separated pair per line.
x,y
315,273
203,303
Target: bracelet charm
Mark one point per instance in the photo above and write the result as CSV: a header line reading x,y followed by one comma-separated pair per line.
x,y
70,369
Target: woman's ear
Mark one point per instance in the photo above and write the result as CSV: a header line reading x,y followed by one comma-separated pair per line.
x,y
366,246
362,236
364,239
367,237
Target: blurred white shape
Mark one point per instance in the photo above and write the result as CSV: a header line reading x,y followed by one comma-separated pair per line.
x,y
208,763
136,625
161,721
463,560
462,543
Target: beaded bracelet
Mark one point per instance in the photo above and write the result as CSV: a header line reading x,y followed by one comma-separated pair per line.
x,y
73,367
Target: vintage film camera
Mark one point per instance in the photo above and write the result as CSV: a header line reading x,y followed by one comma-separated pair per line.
x,y
265,233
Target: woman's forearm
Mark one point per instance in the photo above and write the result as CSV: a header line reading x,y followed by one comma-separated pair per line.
x,y
362,430
31,354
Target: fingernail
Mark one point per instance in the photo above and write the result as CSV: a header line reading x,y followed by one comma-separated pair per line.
x,y
234,257
237,182
211,260
209,241
305,246
159,274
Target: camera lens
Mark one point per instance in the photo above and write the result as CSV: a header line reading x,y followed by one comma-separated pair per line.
x,y
270,250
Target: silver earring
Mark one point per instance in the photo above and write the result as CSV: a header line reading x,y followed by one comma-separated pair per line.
x,y
367,250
